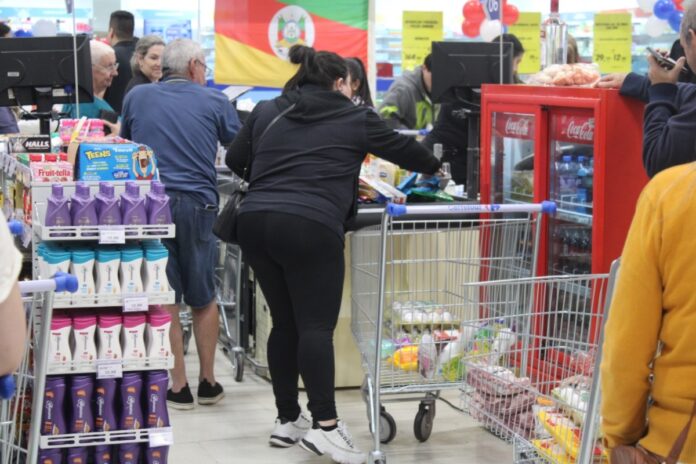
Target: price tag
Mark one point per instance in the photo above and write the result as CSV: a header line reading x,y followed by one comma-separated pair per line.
x,y
161,437
613,38
109,368
527,30
112,236
135,304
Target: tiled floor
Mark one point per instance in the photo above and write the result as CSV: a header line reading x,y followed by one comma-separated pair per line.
x,y
236,430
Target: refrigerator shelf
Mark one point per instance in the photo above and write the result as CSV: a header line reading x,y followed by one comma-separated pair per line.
x,y
575,217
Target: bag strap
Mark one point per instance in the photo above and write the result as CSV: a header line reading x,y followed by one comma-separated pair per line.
x,y
676,450
247,168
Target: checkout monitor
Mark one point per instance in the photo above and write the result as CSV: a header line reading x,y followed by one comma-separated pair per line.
x,y
461,66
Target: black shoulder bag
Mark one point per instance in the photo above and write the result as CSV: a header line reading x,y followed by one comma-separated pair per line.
x,y
225,227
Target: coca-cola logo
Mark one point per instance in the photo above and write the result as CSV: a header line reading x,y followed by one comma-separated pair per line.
x,y
582,131
517,127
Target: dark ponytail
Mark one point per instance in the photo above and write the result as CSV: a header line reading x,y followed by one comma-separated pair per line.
x,y
357,72
317,68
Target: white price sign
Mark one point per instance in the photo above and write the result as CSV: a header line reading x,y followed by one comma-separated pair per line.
x,y
112,236
109,369
135,304
161,437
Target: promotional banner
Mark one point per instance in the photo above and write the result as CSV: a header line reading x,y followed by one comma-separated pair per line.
x,y
420,30
253,37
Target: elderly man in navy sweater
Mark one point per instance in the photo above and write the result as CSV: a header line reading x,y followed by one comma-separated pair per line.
x,y
182,120
669,128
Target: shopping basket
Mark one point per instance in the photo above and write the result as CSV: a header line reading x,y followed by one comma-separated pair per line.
x,y
408,297
20,422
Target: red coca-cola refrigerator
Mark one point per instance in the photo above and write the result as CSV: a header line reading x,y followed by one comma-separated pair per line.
x,y
579,147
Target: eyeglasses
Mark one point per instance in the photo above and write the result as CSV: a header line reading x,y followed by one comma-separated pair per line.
x,y
110,68
205,67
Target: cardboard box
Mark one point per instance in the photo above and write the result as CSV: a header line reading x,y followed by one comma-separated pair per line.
x,y
104,161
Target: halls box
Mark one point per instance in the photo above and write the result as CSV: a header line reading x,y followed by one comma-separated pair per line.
x,y
112,161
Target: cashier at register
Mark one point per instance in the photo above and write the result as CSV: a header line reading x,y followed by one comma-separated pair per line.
x,y
669,123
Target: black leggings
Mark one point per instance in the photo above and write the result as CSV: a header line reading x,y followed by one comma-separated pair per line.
x,y
299,265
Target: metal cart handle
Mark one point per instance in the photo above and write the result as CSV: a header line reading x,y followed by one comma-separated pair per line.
x,y
545,207
61,282
413,132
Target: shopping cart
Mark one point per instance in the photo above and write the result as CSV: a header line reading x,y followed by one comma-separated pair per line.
x,y
20,416
408,299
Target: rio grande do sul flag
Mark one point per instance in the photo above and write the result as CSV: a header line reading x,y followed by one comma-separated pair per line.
x,y
252,37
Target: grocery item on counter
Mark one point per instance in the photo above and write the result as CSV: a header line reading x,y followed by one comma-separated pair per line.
x,y
380,192
578,74
496,380
133,210
84,330
81,395
108,209
83,209
131,409
105,405
405,358
53,420
57,208
552,451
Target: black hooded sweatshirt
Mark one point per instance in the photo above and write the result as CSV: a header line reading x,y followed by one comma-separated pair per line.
x,y
308,162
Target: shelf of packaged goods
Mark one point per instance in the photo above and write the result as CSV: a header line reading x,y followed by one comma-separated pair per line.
x,y
94,233
128,365
155,436
66,301
17,170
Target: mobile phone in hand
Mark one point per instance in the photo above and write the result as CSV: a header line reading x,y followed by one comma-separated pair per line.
x,y
664,61
110,116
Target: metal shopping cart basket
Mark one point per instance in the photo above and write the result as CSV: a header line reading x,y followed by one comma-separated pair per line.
x,y
530,364
408,298
20,416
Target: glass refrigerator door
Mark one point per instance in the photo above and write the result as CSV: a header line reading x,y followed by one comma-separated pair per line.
x,y
512,162
571,165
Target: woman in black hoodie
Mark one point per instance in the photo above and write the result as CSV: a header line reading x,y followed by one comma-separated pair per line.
x,y
306,148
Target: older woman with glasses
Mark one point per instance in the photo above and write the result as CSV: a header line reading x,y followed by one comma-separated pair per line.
x,y
104,69
146,63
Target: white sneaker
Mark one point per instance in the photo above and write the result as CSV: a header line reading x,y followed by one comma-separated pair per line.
x,y
338,444
286,434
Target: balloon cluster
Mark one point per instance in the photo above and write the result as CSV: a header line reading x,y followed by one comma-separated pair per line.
x,y
477,23
666,14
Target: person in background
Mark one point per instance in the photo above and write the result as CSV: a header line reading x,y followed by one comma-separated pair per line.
x,y
8,121
517,54
648,367
182,120
676,52
146,63
573,53
359,86
104,69
407,103
120,36
669,131
307,147
13,330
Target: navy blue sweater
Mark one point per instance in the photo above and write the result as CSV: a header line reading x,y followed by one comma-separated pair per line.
x,y
669,126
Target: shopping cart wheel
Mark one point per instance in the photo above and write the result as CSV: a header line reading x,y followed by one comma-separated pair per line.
x,y
423,424
387,427
238,366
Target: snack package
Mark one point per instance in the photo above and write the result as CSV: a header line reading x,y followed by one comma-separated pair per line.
x,y
112,159
565,433
405,358
578,74
495,380
552,451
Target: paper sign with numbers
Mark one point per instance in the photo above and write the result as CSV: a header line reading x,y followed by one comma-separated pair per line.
x,y
527,29
612,42
109,369
420,30
161,437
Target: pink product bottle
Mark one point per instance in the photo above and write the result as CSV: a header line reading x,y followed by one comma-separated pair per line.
x,y
157,340
59,347
84,332
133,337
109,336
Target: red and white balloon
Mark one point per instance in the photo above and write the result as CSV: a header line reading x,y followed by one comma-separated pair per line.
x,y
476,22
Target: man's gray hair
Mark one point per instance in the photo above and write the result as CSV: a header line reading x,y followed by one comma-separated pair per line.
x,y
142,47
688,21
97,50
178,54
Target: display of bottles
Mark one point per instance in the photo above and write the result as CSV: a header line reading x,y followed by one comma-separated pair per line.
x,y
57,209
584,186
554,38
567,178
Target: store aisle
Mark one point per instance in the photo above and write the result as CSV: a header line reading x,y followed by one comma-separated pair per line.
x,y
236,430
